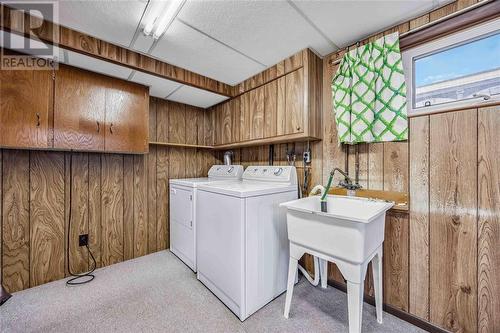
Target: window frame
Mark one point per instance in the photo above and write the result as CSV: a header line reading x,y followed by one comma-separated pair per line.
x,y
456,39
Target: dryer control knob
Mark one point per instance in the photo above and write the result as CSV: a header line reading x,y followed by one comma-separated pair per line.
x,y
278,171
230,170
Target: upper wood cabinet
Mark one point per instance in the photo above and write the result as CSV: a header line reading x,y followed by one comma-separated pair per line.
x,y
286,107
26,108
79,109
295,110
94,112
72,109
127,118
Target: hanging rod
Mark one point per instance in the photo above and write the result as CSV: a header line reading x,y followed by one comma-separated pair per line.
x,y
424,26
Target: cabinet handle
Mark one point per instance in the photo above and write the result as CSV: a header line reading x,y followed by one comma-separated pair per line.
x,y
98,127
111,128
37,119
298,128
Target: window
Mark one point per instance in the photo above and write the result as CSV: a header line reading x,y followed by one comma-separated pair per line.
x,y
456,71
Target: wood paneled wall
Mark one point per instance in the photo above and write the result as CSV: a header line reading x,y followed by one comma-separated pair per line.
x,y
121,201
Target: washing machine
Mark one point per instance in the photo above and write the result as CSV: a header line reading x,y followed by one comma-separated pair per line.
x,y
242,245
183,200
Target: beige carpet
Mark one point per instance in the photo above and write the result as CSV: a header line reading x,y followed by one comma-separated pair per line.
x,y
158,293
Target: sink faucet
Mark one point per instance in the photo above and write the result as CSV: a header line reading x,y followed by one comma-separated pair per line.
x,y
346,183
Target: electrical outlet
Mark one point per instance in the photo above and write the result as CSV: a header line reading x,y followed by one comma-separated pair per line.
x,y
83,240
307,157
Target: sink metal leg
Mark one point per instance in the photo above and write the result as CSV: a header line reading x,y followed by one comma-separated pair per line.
x,y
323,268
292,271
377,283
355,305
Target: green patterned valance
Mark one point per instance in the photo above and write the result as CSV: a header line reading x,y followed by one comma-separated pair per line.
x,y
369,93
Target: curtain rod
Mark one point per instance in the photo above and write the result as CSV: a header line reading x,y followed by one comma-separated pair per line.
x,y
424,26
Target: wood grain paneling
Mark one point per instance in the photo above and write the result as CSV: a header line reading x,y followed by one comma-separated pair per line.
x,y
140,206
419,217
79,209
281,106
453,220
79,109
270,108
257,113
127,117
47,220
112,209
95,228
15,220
176,122
152,200
25,108
376,166
235,107
191,124
294,97
396,166
225,123
162,195
395,261
489,220
245,121
128,207
162,120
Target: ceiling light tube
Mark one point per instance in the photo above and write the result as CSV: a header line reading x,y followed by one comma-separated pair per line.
x,y
166,17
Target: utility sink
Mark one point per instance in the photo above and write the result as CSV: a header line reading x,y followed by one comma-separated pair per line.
x,y
351,230
350,234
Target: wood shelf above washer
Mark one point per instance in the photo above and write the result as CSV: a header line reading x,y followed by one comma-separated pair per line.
x,y
182,145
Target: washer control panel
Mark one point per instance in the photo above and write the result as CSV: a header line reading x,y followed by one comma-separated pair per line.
x,y
226,171
271,173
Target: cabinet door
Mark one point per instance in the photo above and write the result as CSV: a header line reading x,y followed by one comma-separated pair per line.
x,y
127,118
245,117
294,98
26,108
236,118
280,106
270,109
257,113
218,125
79,105
226,122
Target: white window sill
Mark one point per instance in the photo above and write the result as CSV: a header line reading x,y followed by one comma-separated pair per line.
x,y
461,105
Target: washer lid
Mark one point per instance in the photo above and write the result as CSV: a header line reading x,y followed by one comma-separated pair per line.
x,y
216,173
245,189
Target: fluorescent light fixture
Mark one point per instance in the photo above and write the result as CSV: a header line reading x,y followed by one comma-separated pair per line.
x,y
161,15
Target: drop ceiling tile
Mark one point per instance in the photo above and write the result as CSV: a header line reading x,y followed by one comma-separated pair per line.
x,y
346,22
197,97
158,87
112,21
97,65
187,48
267,31
143,43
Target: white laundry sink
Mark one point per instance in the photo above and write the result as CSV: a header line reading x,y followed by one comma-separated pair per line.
x,y
351,229
350,235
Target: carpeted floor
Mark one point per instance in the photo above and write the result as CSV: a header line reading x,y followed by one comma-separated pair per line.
x,y
158,293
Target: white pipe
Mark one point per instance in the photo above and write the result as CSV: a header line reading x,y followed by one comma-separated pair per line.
x,y
321,189
314,282
318,188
